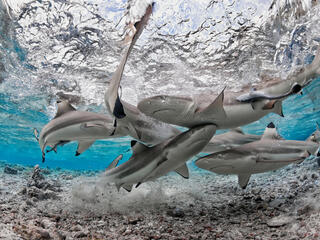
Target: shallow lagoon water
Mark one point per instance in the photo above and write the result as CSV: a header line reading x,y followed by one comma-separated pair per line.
x,y
70,48
35,74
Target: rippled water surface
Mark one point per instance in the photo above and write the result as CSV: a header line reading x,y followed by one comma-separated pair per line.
x,y
69,49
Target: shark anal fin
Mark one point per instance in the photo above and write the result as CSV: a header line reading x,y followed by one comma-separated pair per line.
x,y
84,145
183,171
118,110
216,107
115,162
243,180
127,187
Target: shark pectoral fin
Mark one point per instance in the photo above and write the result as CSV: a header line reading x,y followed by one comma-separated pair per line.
x,y
115,162
83,145
243,180
64,107
137,147
127,187
133,132
183,171
278,108
269,105
216,107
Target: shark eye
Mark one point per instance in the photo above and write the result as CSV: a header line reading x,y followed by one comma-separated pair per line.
x,y
59,101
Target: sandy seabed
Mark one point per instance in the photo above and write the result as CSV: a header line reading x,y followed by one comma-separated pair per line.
x,y
55,204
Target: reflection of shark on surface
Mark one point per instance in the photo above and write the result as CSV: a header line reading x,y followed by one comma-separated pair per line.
x,y
127,116
224,110
236,137
149,163
71,125
260,156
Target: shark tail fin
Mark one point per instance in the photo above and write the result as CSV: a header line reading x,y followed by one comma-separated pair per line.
x,y
115,162
36,134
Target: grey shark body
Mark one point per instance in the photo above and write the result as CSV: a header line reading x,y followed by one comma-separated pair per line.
x,y
224,110
149,163
127,116
236,137
71,125
257,157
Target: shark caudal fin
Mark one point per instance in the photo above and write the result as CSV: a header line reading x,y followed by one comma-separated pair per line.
x,y
115,162
243,180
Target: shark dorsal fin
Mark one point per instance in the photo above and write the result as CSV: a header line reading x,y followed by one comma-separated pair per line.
x,y
183,171
137,147
270,132
216,107
243,180
237,130
115,162
64,107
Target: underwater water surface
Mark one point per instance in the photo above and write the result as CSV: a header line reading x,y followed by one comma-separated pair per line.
x,y
71,48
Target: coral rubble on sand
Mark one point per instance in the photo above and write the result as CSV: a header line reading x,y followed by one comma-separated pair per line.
x,y
49,204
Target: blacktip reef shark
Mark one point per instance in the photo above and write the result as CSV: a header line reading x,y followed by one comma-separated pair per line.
x,y
149,163
224,110
236,137
127,116
260,156
72,125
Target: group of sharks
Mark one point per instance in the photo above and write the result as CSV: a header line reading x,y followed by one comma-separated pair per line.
x,y
159,148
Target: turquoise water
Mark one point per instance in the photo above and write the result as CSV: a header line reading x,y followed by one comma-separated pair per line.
x,y
21,111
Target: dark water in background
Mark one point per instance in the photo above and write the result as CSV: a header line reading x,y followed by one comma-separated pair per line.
x,y
42,55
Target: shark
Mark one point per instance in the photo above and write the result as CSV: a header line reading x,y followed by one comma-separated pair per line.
x,y
150,163
72,125
236,137
127,116
229,109
264,155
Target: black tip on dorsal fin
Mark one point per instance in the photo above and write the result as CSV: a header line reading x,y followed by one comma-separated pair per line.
x,y
271,125
118,110
138,184
77,153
